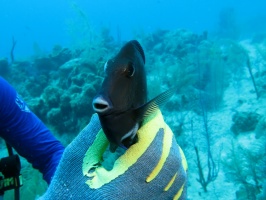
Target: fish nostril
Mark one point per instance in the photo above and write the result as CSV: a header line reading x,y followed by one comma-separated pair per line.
x,y
100,105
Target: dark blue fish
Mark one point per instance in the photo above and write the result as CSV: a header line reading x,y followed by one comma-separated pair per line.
x,y
122,100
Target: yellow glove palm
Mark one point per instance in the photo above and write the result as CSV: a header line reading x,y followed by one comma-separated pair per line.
x,y
153,168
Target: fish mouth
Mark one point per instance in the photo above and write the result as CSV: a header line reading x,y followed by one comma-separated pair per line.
x,y
101,105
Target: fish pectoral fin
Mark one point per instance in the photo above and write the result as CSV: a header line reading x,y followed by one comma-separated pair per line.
x,y
154,104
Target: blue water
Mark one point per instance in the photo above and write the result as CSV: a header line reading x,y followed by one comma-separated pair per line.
x,y
212,68
42,24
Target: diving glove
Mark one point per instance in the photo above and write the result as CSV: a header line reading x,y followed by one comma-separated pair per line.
x,y
153,168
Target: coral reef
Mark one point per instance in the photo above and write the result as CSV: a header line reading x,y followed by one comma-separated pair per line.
x,y
58,88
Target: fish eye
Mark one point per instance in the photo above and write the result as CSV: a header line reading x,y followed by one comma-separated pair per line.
x,y
130,70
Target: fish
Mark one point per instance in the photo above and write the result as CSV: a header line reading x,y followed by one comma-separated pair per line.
x,y
121,102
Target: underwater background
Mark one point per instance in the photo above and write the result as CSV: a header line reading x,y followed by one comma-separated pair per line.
x,y
53,53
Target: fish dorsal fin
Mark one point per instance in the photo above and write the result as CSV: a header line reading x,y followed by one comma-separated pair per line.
x,y
139,48
154,104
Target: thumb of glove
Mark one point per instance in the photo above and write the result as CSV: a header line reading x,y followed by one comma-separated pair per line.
x,y
69,169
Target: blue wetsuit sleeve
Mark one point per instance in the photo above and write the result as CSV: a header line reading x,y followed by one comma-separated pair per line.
x,y
25,132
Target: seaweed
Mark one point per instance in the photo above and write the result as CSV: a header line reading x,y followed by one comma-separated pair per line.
x,y
14,42
252,78
212,167
246,168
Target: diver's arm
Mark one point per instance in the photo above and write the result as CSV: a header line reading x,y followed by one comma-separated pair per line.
x,y
25,132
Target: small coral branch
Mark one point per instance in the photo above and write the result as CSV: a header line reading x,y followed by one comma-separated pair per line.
x,y
252,77
14,42
212,169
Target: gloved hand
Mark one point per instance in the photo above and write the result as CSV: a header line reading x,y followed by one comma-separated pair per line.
x,y
153,168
